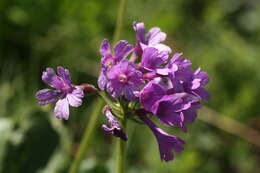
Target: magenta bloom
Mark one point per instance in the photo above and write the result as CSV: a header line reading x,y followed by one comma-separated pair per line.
x,y
65,92
152,59
152,38
121,50
113,127
173,109
166,142
124,79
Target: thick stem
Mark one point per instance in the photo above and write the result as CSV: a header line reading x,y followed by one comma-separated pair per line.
x,y
87,136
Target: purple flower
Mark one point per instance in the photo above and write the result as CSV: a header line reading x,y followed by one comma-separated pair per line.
x,y
152,59
150,94
124,78
187,80
184,79
195,86
121,50
177,109
166,142
65,92
152,38
171,108
114,127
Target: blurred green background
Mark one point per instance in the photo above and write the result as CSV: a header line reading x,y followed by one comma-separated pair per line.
x,y
221,36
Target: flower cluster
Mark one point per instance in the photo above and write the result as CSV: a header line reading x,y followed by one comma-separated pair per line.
x,y
138,82
164,87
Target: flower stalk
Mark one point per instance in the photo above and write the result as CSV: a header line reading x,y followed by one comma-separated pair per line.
x,y
87,135
121,151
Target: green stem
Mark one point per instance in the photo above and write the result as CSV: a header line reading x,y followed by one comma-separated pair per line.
x,y
108,100
119,20
120,144
121,151
87,135
93,121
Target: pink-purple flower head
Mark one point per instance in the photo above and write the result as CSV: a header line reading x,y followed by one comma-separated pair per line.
x,y
152,38
153,60
170,107
113,126
124,79
121,50
64,94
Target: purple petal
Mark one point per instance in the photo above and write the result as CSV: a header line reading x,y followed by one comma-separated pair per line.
x,y
180,62
120,68
105,49
122,75
75,98
64,74
115,132
196,83
102,80
135,76
160,47
131,92
122,49
190,114
167,115
152,58
47,96
167,143
50,78
155,36
202,93
61,109
150,94
140,31
203,76
114,88
163,71
113,126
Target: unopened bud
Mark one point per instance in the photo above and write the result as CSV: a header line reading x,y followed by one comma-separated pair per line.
x,y
88,88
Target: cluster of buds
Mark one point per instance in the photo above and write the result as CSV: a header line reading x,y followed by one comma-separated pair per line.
x,y
143,81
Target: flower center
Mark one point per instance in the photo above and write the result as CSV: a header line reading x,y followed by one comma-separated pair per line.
x,y
109,63
66,88
122,78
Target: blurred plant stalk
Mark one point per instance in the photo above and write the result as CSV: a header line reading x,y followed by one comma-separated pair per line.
x,y
91,125
230,125
120,145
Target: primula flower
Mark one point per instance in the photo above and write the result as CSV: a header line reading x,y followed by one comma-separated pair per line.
x,y
193,82
121,50
167,143
173,109
184,79
124,78
152,60
65,92
113,126
152,38
167,88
